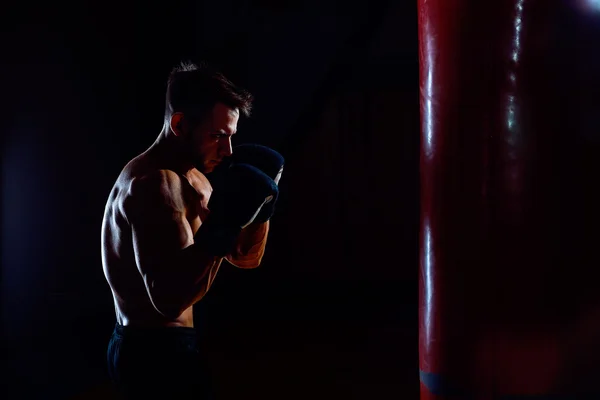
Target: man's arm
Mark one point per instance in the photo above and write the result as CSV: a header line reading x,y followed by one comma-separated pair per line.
x,y
250,246
177,271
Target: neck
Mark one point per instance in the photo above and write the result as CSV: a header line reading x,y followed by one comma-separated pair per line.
x,y
169,151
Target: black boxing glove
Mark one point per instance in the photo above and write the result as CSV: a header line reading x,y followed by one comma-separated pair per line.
x,y
235,202
268,161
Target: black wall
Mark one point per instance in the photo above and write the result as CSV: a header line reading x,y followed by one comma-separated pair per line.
x,y
333,310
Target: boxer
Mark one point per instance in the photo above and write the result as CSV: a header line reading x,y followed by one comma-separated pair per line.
x,y
167,228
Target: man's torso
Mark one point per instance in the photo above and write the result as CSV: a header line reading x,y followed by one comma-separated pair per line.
x,y
132,302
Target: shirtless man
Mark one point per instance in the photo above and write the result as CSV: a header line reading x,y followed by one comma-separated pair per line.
x,y
175,212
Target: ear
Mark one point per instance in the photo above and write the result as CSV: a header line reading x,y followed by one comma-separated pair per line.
x,y
177,123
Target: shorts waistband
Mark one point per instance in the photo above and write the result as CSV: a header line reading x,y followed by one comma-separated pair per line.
x,y
167,331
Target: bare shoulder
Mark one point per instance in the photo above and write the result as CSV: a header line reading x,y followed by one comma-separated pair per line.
x,y
161,181
153,190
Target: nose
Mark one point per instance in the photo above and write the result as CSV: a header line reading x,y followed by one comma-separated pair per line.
x,y
226,149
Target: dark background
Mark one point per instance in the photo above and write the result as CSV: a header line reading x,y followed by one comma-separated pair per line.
x,y
332,312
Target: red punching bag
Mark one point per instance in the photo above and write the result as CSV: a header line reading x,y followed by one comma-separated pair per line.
x,y
496,107
457,103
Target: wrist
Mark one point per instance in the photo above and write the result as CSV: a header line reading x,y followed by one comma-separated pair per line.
x,y
216,238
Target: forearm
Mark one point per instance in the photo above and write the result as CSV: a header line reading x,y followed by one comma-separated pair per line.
x,y
190,273
250,246
186,279
202,267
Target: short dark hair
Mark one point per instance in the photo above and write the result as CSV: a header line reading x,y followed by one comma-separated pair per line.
x,y
194,89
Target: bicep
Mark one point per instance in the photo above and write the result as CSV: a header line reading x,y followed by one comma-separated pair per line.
x,y
157,243
158,238
159,225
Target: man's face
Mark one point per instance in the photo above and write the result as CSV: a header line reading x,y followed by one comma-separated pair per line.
x,y
210,141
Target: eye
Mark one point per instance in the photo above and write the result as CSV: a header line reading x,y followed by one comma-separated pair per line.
x,y
218,136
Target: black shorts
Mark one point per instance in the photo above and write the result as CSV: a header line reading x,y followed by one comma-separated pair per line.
x,y
149,363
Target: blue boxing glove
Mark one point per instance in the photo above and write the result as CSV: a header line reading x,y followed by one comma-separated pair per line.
x,y
243,191
269,162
